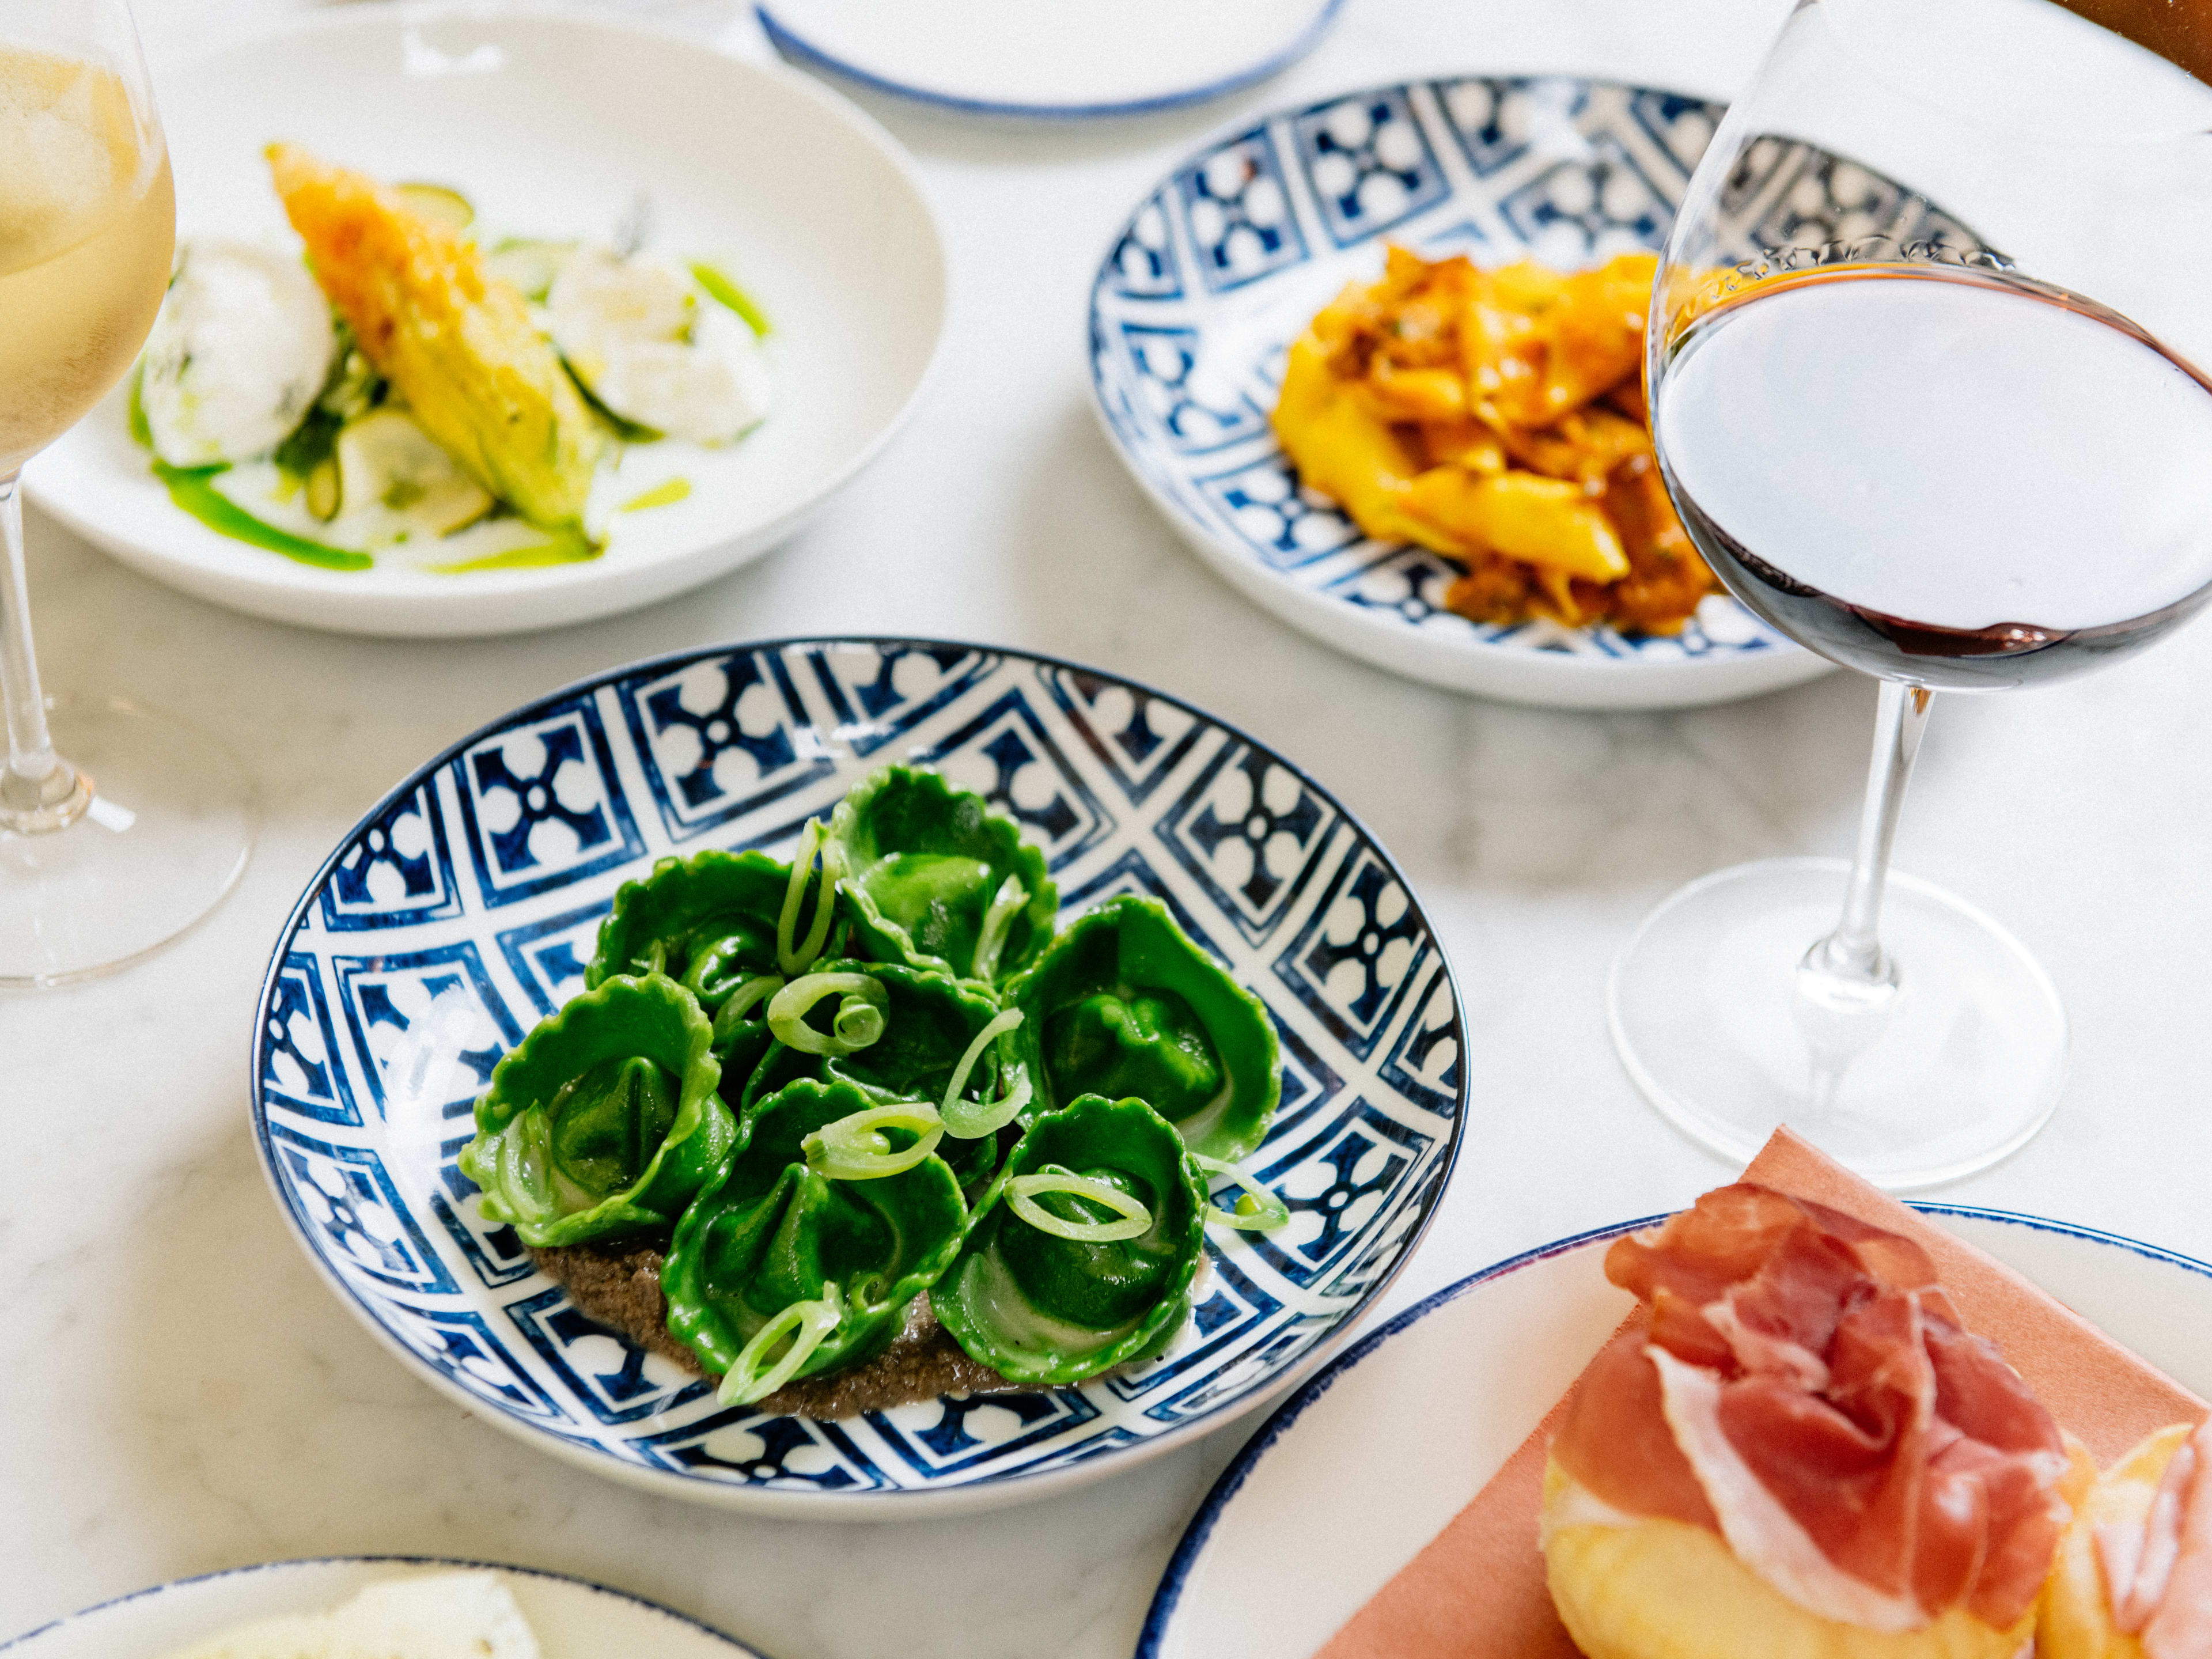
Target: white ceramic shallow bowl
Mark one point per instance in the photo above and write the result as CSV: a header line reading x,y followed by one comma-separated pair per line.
x,y
1221,265
467,903
555,122
1066,60
573,1620
1396,1437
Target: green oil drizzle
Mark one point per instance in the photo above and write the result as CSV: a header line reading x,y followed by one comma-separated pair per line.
x,y
663,494
193,490
731,295
566,547
141,434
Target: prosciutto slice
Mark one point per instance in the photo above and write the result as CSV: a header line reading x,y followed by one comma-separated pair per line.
x,y
1800,1384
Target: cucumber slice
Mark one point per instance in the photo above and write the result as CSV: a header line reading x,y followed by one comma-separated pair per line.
x,y
441,204
385,459
325,495
530,266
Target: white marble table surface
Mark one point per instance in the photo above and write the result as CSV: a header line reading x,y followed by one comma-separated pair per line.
x,y
180,1393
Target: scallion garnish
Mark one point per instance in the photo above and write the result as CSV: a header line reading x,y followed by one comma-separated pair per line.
x,y
1268,1212
1023,1191
971,1120
793,955
997,922
855,1148
807,1324
732,1012
859,1019
526,1168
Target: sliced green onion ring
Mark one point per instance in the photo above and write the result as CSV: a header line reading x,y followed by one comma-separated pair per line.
x,y
808,1324
741,1002
997,922
971,1120
1268,1212
854,1148
526,1166
1023,1191
792,954
787,1013
858,1023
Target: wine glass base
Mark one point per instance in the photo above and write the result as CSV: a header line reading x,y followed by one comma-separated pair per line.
x,y
1959,1070
165,837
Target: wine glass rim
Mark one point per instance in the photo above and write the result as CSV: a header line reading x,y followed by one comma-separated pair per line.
x,y
2023,128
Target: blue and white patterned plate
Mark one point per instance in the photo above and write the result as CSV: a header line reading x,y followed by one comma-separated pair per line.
x,y
1253,1577
1219,269
467,904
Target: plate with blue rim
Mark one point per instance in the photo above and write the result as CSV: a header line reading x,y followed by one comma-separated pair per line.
x,y
568,1615
1070,60
466,905
1218,268
1469,1372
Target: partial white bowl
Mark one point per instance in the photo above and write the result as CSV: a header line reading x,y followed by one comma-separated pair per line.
x,y
1069,60
1397,1436
571,1618
1220,266
556,122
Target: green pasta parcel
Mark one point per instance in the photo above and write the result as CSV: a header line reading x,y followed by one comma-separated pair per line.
x,y
707,921
814,1102
1081,1257
732,927
605,1120
927,1022
935,877
1123,1003
781,1271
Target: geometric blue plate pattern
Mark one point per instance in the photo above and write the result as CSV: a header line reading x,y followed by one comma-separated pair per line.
x,y
464,906
1219,270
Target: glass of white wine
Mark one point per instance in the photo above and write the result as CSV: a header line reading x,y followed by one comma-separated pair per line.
x,y
1926,365
119,828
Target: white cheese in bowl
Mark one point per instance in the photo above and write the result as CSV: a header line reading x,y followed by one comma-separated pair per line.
x,y
237,356
656,349
447,1615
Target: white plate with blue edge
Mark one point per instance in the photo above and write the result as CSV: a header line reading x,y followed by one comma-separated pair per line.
x,y
571,1618
1465,1377
1069,60
557,122
1221,266
467,904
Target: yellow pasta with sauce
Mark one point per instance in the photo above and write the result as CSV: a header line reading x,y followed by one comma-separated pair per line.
x,y
1497,417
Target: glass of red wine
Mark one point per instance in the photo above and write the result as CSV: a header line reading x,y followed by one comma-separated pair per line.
x,y
1923,367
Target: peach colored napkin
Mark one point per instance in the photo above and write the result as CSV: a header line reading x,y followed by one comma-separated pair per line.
x,y
1477,1592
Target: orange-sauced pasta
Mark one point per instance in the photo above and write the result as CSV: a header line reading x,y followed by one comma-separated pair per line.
x,y
1496,416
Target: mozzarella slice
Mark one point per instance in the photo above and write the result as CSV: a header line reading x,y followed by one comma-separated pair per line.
x,y
237,356
657,349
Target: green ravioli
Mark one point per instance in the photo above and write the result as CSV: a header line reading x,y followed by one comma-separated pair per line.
x,y
605,1120
1123,1003
1042,1309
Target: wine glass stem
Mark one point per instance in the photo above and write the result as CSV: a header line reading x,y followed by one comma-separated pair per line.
x,y
39,791
1853,952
